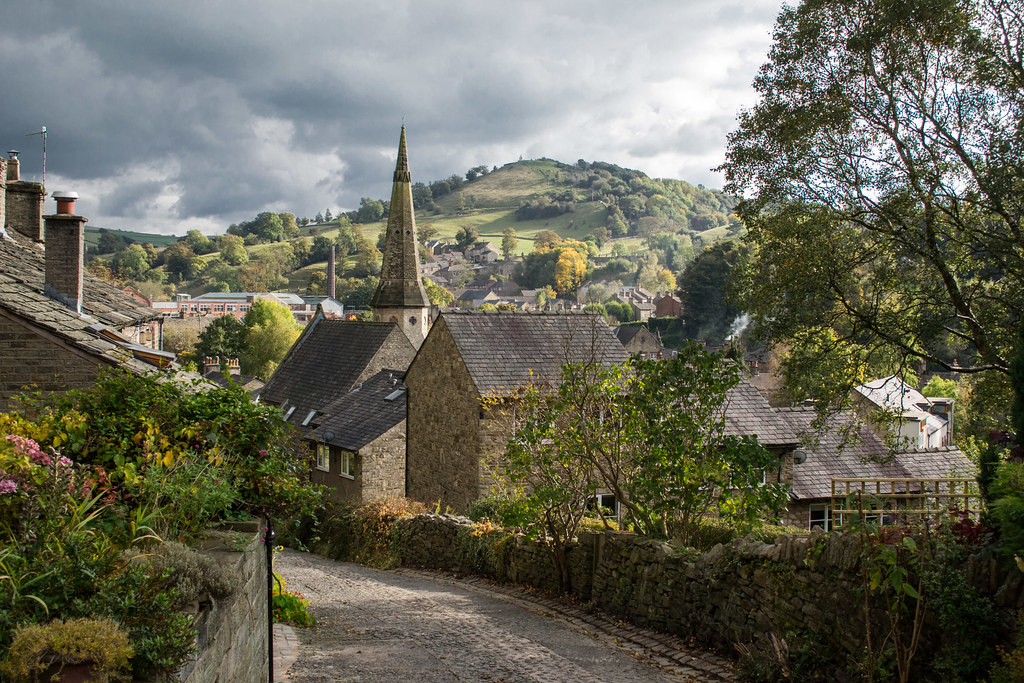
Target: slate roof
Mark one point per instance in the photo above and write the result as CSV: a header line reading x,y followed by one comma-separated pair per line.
x,y
24,264
827,460
325,361
502,348
363,414
748,413
626,332
56,318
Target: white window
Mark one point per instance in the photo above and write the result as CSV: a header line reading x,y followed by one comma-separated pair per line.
x,y
820,517
323,457
348,465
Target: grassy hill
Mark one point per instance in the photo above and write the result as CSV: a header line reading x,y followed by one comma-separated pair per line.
x,y
595,201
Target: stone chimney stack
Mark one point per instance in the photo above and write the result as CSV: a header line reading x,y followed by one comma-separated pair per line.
x,y
330,272
23,206
211,364
65,247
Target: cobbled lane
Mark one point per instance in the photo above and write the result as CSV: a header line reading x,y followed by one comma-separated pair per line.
x,y
413,625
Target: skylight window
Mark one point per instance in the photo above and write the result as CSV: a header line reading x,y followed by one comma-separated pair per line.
x,y
308,418
289,413
394,394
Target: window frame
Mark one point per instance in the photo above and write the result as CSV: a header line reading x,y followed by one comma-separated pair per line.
x,y
347,465
323,457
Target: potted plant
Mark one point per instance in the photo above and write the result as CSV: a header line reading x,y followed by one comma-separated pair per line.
x,y
73,651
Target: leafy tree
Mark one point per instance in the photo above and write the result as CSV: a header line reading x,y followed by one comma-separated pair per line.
x,y
421,196
328,217
180,262
270,330
301,251
180,339
570,271
368,256
438,295
601,236
232,250
321,248
546,239
883,166
466,236
509,242
290,226
345,241
110,243
356,292
370,210
132,262
425,233
317,285
487,307
319,218
199,243
708,311
224,337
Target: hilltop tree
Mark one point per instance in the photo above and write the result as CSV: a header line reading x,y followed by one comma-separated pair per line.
x,y
289,225
882,165
199,243
370,210
110,243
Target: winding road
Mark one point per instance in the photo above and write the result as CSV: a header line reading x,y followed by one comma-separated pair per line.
x,y
413,625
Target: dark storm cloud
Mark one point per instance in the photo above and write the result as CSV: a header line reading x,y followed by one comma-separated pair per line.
x,y
165,116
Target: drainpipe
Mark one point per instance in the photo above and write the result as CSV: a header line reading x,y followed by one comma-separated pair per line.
x,y
268,544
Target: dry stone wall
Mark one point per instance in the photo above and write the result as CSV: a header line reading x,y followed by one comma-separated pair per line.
x,y
806,588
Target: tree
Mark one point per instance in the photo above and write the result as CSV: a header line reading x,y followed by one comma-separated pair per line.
x,y
224,337
508,242
290,226
270,330
425,233
232,250
199,243
370,210
546,238
570,271
708,311
368,256
131,263
180,262
882,167
267,226
438,295
110,243
345,241
601,236
466,236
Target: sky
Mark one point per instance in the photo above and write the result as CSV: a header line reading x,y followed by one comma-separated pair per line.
x,y
170,116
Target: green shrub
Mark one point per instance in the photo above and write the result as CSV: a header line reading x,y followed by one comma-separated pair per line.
x,y
290,607
76,641
192,575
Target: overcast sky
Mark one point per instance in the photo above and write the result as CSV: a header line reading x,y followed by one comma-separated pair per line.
x,y
167,116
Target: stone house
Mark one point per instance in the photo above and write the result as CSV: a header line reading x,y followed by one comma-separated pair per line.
x,y
483,252
328,360
826,455
917,420
60,326
637,339
360,441
466,357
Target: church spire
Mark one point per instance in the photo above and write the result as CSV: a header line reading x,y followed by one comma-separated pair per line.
x,y
400,296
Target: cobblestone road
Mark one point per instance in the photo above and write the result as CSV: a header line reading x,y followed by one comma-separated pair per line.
x,y
410,625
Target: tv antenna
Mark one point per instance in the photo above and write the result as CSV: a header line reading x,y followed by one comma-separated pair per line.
x,y
42,132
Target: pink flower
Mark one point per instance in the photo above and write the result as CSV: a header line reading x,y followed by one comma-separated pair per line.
x,y
8,486
63,462
39,458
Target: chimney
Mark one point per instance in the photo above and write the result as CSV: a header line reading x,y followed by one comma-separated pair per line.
x,y
211,364
233,367
65,246
13,165
23,205
330,272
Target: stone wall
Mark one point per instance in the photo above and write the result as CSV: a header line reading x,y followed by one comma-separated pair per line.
x,y
805,588
24,209
381,465
232,634
443,453
44,361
